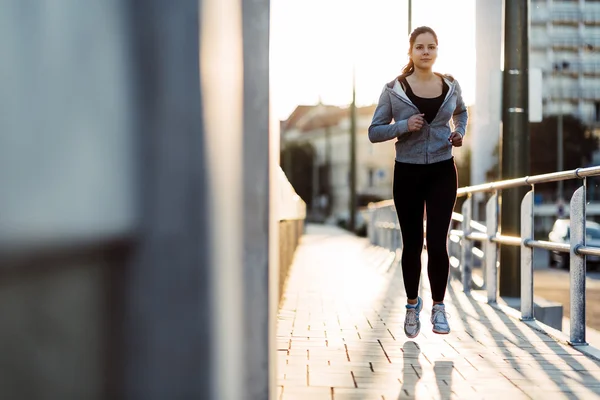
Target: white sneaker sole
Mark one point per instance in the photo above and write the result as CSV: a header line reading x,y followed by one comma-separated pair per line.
x,y
412,336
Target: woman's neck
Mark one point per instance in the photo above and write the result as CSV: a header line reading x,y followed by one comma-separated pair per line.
x,y
423,74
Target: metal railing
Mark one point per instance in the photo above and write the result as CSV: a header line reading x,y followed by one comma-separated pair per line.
x,y
384,230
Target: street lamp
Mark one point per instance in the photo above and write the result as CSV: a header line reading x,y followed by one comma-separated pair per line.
x,y
559,67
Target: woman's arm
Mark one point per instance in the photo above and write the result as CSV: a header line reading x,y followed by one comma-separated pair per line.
x,y
460,116
380,129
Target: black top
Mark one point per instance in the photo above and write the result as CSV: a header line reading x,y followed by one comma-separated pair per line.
x,y
427,106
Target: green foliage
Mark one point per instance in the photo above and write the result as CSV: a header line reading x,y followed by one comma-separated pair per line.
x,y
297,163
578,145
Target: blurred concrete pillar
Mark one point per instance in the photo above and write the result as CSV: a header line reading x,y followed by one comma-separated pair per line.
x,y
260,303
199,314
67,195
168,326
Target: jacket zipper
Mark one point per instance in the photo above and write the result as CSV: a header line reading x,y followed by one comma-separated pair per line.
x,y
410,103
450,93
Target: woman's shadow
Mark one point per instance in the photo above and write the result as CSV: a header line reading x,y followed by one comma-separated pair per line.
x,y
443,378
412,371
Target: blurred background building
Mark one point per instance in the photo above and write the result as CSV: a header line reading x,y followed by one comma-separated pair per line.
x,y
315,142
564,43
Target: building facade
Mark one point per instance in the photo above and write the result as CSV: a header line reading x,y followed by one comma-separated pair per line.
x,y
325,131
565,44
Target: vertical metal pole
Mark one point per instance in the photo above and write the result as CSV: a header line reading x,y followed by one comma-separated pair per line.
x,y
491,249
467,247
515,136
352,205
409,17
376,214
386,235
559,158
577,267
371,224
527,257
328,171
315,184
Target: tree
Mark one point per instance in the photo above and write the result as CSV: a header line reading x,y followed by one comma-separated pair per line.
x,y
301,158
579,144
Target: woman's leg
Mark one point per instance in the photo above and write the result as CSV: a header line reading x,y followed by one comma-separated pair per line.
x,y
440,200
410,202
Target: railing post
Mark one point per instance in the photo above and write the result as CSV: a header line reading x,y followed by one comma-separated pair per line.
x,y
491,249
577,267
371,224
393,232
388,235
527,257
467,247
376,228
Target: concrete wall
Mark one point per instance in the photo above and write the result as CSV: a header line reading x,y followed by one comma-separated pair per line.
x,y
290,232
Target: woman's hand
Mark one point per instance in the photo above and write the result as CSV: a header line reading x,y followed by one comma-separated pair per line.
x,y
455,139
415,122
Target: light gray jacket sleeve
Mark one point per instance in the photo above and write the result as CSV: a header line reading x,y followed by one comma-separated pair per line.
x,y
460,116
380,129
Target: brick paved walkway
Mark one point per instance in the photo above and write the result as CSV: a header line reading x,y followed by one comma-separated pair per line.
x,y
340,336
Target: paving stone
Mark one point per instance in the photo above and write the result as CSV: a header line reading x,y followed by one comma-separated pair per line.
x,y
340,336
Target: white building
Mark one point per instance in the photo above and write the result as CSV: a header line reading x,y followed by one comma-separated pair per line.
x,y
327,130
564,42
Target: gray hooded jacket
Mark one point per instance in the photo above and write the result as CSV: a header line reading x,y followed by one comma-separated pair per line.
x,y
428,145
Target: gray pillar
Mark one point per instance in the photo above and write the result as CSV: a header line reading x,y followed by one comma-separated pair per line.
x,y
172,288
259,334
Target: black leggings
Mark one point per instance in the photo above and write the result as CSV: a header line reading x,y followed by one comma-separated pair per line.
x,y
431,187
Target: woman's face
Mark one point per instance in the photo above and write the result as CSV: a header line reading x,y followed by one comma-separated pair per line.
x,y
424,51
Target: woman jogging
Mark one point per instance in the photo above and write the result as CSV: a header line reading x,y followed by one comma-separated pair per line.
x,y
422,104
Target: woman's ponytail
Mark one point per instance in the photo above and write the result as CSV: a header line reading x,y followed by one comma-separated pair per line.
x,y
408,68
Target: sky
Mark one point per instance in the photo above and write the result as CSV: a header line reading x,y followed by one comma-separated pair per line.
x,y
316,45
